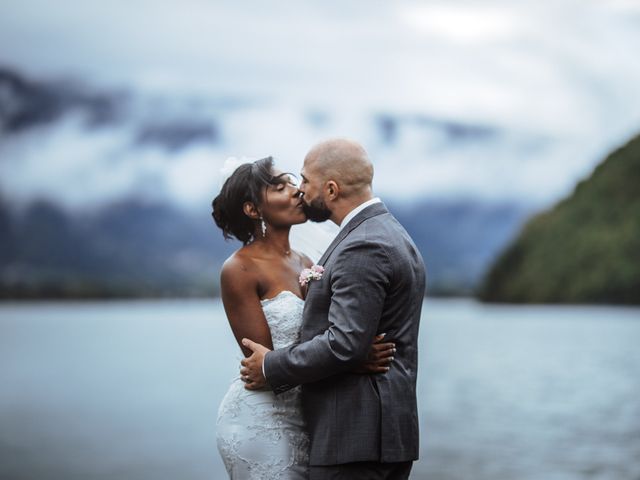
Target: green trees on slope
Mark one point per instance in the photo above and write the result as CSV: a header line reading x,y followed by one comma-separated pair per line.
x,y
584,250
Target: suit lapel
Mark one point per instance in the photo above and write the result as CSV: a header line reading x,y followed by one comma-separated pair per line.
x,y
377,208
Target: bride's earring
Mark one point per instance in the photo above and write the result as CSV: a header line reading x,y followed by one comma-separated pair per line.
x,y
263,226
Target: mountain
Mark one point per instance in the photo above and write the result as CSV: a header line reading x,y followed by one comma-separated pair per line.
x,y
134,248
584,250
77,162
26,104
389,126
459,239
128,249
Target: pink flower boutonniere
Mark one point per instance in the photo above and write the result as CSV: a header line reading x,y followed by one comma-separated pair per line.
x,y
308,274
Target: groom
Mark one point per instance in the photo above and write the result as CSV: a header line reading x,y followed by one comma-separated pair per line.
x,y
361,426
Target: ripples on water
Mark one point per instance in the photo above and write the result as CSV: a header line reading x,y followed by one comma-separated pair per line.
x,y
129,390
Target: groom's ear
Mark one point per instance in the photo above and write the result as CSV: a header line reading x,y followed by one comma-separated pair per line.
x,y
250,210
332,189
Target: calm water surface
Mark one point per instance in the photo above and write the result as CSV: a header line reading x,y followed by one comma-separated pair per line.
x,y
129,390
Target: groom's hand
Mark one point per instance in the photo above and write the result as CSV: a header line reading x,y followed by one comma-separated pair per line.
x,y
251,371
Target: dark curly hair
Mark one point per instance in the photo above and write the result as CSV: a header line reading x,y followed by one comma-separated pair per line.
x,y
247,184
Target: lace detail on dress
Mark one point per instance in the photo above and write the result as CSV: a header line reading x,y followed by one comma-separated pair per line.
x,y
261,435
284,316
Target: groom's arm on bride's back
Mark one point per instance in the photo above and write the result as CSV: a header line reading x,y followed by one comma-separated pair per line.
x,y
360,277
239,286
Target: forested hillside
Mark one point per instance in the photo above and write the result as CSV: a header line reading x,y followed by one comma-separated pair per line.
x,y
584,250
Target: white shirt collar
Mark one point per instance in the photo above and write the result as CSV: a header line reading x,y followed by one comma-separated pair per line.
x,y
357,210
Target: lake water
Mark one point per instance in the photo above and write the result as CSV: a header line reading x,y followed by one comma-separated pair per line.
x,y
129,390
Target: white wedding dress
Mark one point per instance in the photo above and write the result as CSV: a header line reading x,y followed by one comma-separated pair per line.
x,y
260,435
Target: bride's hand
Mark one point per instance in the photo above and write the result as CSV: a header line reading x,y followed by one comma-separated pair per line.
x,y
380,357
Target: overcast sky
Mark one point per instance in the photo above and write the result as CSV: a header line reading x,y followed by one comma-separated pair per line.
x,y
560,70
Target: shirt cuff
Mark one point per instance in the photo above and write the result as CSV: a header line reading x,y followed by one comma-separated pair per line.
x,y
264,374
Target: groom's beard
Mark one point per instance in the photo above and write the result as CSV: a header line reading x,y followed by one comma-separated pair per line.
x,y
317,211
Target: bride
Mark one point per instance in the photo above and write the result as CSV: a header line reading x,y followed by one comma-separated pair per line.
x,y
261,435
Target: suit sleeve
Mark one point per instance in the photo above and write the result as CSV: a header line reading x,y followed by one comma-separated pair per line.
x,y
360,278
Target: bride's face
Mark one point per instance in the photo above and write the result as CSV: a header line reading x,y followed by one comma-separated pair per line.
x,y
282,203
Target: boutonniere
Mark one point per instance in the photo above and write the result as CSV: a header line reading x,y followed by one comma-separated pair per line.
x,y
308,274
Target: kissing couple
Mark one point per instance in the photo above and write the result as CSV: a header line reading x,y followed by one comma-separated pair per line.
x,y
328,384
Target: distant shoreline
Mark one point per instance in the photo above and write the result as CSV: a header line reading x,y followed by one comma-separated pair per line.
x,y
170,298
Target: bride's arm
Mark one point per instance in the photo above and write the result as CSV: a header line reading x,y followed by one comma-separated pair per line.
x,y
380,357
239,287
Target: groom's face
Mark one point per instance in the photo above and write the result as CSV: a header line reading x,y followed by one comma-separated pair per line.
x,y
314,205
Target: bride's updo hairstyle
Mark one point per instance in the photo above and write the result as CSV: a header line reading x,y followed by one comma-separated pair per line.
x,y
247,184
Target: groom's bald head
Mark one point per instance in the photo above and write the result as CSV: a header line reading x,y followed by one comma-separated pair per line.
x,y
345,162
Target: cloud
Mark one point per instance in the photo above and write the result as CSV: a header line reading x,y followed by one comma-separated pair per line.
x,y
557,81
461,23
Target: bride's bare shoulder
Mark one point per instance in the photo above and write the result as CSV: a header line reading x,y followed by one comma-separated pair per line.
x,y
240,268
239,261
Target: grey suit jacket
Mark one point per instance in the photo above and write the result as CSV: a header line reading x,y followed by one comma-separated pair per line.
x,y
374,282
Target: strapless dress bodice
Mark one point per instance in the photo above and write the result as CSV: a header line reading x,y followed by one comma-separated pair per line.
x,y
284,316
